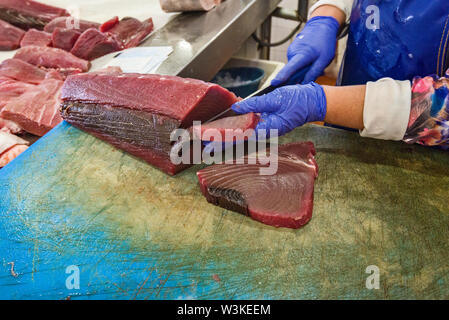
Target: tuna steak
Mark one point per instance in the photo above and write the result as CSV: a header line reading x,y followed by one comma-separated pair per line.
x,y
27,14
282,200
131,32
51,58
94,44
137,113
35,37
70,23
229,127
10,36
37,110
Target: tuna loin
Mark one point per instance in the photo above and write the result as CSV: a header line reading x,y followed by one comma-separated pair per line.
x,y
37,110
65,39
27,14
35,37
137,113
70,23
19,70
281,200
51,58
10,36
131,32
93,44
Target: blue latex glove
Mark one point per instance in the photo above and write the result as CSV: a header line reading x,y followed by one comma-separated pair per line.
x,y
310,53
287,107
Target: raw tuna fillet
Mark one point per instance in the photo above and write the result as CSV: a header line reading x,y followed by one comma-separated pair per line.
x,y
11,89
9,126
15,69
94,44
27,14
70,23
188,5
137,113
10,36
37,110
131,32
281,200
11,147
35,37
228,127
108,25
65,39
51,58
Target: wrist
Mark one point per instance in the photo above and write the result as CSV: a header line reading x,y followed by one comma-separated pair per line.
x,y
330,11
318,113
328,21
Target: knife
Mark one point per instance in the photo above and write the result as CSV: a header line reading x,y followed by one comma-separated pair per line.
x,y
230,113
297,78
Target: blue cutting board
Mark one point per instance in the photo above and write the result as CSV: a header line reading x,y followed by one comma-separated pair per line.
x,y
135,233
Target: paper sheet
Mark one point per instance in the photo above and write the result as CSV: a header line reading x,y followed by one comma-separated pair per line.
x,y
138,60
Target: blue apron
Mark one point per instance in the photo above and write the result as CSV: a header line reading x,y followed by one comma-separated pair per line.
x,y
411,39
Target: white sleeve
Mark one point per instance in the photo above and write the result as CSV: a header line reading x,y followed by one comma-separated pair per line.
x,y
387,109
343,5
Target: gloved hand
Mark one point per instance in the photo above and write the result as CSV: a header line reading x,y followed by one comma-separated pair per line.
x,y
287,107
314,48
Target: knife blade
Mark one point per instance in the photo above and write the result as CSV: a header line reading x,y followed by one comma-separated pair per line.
x,y
231,113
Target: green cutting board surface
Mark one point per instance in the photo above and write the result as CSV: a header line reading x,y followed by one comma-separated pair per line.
x,y
137,233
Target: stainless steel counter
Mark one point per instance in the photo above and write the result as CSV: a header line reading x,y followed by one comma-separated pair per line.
x,y
204,42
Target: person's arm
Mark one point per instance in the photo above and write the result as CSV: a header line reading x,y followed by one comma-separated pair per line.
x,y
314,47
339,9
345,106
329,11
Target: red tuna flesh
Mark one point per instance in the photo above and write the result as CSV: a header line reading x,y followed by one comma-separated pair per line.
x,y
94,44
109,24
37,110
131,32
65,39
228,127
137,113
181,99
35,37
11,89
27,14
70,23
23,71
281,200
51,58
10,36
9,126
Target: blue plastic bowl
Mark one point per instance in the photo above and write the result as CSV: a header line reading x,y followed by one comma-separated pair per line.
x,y
243,81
